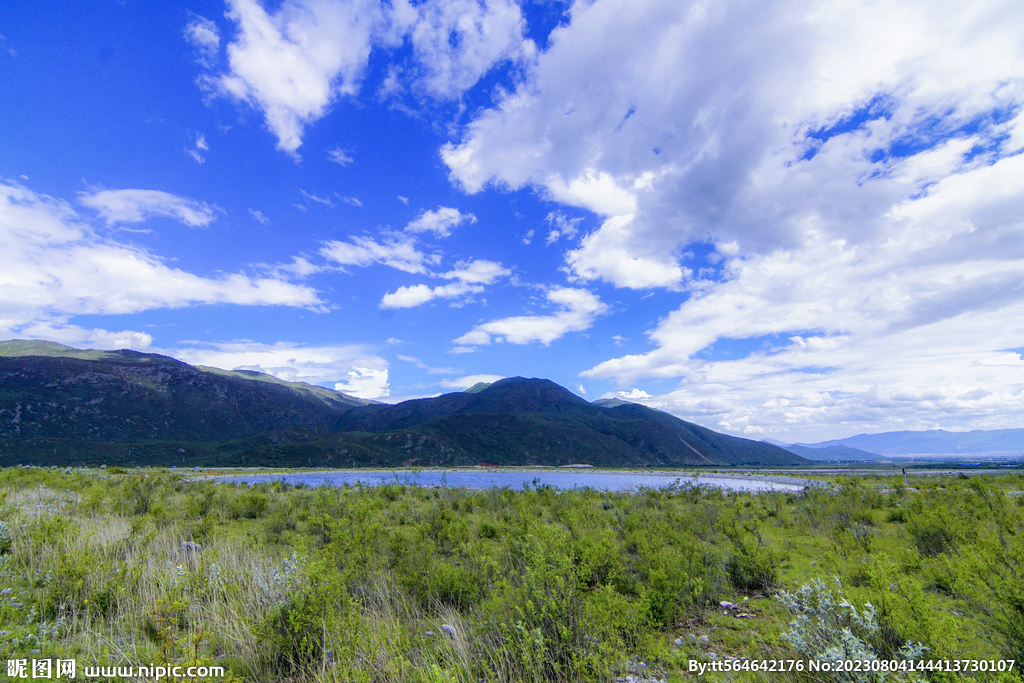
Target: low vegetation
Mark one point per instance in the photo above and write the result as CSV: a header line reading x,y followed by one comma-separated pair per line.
x,y
399,583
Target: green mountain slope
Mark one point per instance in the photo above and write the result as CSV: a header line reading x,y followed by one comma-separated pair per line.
x,y
535,421
60,405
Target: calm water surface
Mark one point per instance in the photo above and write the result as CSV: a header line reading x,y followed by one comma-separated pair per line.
x,y
520,479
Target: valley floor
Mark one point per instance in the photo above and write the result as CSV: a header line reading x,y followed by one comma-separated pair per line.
x,y
403,583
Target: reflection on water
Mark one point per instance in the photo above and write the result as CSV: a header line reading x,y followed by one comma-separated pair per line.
x,y
520,479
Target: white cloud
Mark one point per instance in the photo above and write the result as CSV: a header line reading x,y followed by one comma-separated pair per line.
x,y
439,222
477,271
80,337
677,153
352,201
926,310
395,251
205,38
293,63
471,276
299,267
410,297
136,206
1009,358
455,42
365,374
577,310
54,266
430,371
326,201
404,200
528,237
851,163
365,383
561,226
258,215
339,156
463,383
200,146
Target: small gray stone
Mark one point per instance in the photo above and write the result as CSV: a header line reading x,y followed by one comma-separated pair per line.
x,y
189,548
448,630
677,642
5,591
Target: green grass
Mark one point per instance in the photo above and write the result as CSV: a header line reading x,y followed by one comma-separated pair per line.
x,y
398,583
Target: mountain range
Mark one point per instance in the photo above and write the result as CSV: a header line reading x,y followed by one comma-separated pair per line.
x,y
63,406
996,443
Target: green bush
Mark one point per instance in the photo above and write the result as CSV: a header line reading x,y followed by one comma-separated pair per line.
x,y
827,627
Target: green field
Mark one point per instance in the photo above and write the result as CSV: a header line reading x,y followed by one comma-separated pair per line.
x,y
397,583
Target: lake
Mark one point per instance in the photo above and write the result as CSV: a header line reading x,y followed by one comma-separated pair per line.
x,y
524,478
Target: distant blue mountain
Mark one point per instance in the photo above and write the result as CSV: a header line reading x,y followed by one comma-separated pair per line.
x,y
833,453
1007,443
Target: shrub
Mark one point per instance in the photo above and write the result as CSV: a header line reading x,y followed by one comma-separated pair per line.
x,y
5,538
827,627
298,632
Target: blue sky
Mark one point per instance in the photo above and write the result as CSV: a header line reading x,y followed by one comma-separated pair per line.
x,y
801,221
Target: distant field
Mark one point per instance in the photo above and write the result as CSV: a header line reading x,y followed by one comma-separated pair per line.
x,y
400,583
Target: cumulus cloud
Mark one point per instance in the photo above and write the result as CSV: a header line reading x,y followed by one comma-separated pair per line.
x,y
456,42
54,266
352,369
439,222
205,38
577,309
470,276
395,251
463,383
412,296
136,206
293,63
733,149
927,310
856,170
365,383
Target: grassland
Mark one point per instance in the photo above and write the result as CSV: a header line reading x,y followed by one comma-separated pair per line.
x,y
398,583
